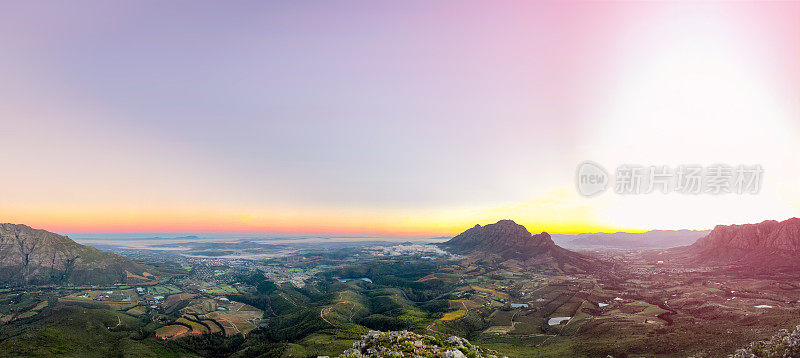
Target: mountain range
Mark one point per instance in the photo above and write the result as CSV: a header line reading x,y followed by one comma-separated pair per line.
x,y
508,240
768,244
32,256
653,239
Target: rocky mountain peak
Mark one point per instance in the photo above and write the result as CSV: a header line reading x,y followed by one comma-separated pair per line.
x,y
507,240
766,235
766,245
34,256
502,235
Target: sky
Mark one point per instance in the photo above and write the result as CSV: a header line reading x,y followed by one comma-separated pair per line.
x,y
411,118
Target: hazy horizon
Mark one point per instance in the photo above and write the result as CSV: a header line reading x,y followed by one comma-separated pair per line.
x,y
301,235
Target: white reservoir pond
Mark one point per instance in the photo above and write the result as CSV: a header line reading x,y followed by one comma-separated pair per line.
x,y
365,279
554,321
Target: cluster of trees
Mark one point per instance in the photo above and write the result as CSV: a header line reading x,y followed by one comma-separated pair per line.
x,y
259,281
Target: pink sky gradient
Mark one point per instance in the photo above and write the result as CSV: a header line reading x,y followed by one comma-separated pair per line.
x,y
414,118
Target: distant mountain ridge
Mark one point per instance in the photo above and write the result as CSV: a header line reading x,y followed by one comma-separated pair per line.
x,y
655,239
511,241
766,244
32,256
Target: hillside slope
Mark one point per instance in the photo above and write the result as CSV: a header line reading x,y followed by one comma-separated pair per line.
x,y
31,256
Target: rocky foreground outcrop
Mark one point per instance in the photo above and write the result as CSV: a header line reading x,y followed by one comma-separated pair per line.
x,y
377,344
785,344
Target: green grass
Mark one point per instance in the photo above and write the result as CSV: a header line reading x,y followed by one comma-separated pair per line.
x,y
523,346
72,330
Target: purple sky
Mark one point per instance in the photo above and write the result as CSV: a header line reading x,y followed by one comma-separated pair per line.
x,y
414,117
